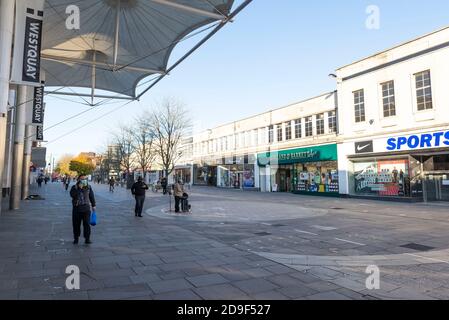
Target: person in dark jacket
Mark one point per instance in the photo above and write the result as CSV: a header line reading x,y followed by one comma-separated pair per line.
x,y
138,190
83,200
164,184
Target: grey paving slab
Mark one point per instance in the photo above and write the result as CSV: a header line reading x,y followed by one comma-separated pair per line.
x,y
297,291
255,285
177,295
207,280
221,292
120,292
169,285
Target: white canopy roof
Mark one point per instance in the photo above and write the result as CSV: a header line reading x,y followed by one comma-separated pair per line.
x,y
120,42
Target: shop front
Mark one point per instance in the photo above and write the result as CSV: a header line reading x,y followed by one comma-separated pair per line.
x,y
312,170
413,167
205,174
237,172
183,173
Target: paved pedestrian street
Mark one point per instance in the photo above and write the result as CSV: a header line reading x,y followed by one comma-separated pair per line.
x,y
234,245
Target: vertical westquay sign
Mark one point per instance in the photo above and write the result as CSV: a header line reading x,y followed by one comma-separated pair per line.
x,y
28,42
37,116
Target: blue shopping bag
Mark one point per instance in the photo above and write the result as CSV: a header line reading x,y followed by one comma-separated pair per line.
x,y
93,218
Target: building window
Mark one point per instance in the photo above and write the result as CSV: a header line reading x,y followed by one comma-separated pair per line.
x,y
359,106
279,132
332,120
320,124
255,138
298,129
288,131
270,134
423,90
309,127
389,103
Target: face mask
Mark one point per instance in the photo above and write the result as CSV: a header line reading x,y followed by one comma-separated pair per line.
x,y
84,183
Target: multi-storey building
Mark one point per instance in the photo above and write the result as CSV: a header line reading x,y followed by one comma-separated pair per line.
x,y
287,149
394,122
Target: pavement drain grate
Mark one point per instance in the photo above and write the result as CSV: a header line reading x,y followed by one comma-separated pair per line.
x,y
263,234
278,225
337,208
417,247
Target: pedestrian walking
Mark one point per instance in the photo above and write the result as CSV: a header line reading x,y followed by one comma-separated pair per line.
x,y
164,184
179,194
67,183
138,190
46,179
111,184
39,181
83,201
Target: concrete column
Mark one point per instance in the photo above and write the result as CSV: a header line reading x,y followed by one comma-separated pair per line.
x,y
27,161
19,135
6,36
9,143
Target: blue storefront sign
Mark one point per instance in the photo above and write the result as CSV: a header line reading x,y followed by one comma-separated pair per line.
x,y
419,141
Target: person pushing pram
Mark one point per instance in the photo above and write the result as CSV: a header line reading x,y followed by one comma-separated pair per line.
x,y
181,198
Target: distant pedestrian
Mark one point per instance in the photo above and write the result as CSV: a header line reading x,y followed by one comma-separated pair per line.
x,y
164,184
83,201
138,190
67,183
46,179
39,181
179,194
111,184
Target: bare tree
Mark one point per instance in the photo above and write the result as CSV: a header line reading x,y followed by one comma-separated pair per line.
x,y
123,142
144,138
169,124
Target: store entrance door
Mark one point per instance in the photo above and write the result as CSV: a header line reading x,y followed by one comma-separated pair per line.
x,y
436,187
284,179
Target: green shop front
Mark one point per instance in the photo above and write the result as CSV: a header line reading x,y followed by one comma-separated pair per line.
x,y
311,170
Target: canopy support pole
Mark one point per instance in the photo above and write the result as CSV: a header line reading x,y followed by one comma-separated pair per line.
x,y
94,77
117,33
199,44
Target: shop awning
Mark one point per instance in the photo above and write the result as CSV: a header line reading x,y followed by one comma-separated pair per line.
x,y
120,42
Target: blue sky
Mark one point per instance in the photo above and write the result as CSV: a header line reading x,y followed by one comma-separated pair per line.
x,y
274,53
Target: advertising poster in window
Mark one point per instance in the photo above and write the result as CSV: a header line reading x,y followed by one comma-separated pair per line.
x,y
382,178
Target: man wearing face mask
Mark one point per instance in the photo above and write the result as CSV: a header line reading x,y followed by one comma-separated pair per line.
x,y
83,200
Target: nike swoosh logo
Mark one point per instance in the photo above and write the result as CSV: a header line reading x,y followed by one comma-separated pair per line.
x,y
360,148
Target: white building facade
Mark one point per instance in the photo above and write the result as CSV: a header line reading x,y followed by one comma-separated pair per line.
x,y
393,116
291,149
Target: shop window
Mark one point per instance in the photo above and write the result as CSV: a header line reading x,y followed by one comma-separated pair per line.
x,y
316,177
309,127
320,124
359,106
385,178
423,91
288,131
332,120
298,129
388,99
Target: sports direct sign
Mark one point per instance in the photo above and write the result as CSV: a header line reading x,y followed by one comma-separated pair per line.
x,y
419,141
439,139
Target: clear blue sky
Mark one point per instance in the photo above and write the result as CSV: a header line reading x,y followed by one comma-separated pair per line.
x,y
275,53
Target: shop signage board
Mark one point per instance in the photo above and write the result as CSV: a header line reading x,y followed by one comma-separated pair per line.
x,y
26,67
300,155
410,142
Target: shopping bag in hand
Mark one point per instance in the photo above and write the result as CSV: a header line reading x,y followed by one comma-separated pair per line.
x,y
93,218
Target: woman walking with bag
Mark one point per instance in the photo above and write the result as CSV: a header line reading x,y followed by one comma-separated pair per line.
x,y
83,200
